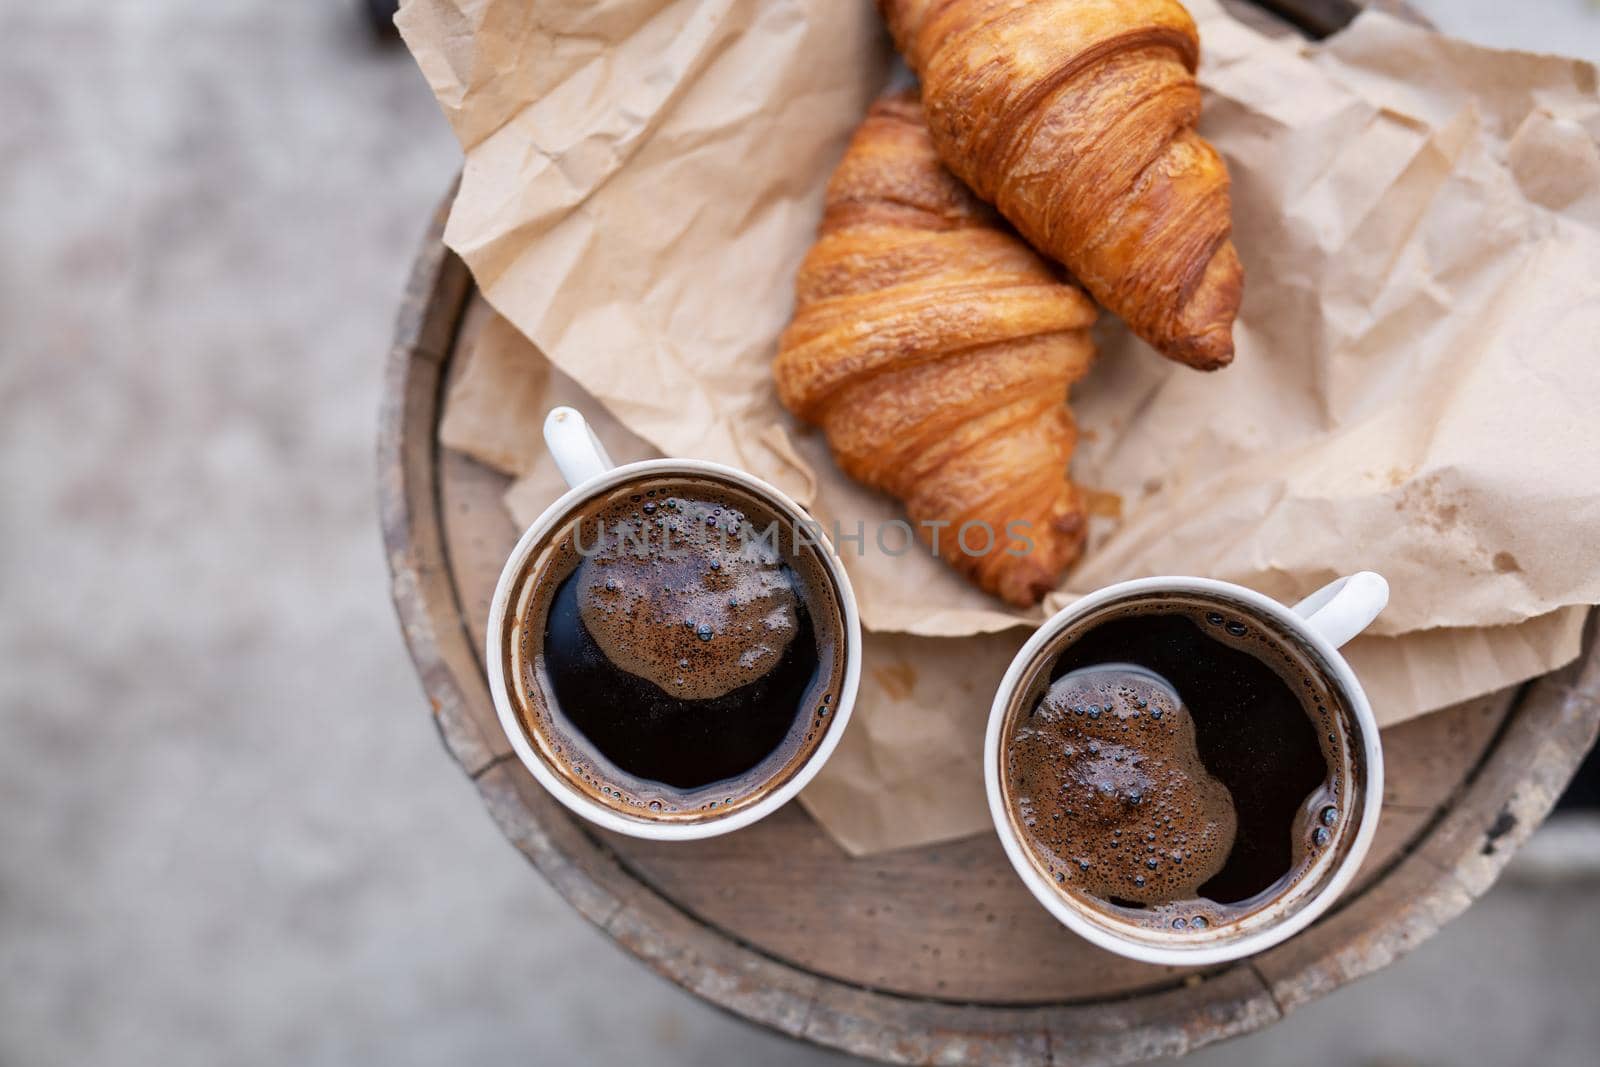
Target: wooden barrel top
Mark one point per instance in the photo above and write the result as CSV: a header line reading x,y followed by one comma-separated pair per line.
x,y
932,954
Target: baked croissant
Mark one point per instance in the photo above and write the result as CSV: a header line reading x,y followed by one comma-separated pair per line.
x,y
935,348
1075,118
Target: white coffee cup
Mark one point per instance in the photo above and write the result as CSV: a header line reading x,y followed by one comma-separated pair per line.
x,y
589,471
1320,623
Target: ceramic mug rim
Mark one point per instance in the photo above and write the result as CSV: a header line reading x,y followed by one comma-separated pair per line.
x,y
564,791
1060,904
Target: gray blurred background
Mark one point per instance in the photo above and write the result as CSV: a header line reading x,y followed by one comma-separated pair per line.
x,y
228,831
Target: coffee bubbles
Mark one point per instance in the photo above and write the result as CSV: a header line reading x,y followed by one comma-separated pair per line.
x,y
680,649
1175,764
677,592
1112,791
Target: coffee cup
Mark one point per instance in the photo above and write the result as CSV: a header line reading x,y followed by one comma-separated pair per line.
x,y
1105,806
673,649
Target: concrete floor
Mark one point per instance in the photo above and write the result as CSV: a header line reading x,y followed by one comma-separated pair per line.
x,y
228,832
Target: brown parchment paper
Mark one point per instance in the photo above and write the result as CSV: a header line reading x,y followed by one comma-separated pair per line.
x,y
1413,393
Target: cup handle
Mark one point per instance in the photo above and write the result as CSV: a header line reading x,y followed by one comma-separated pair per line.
x,y
1345,606
578,453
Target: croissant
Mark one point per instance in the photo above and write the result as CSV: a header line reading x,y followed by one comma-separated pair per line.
x,y
935,348
1075,118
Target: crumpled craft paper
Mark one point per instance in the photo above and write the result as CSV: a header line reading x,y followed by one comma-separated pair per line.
x,y
1414,381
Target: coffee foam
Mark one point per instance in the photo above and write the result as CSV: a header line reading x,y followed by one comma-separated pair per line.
x,y
567,753
692,602
1326,822
1111,790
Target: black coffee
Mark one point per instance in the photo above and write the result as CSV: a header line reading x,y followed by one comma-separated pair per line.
x,y
1178,762
680,651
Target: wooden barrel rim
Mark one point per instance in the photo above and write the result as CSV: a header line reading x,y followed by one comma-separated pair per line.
x,y
1459,853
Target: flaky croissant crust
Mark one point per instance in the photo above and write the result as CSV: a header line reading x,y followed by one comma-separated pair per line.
x,y
1075,118
935,349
